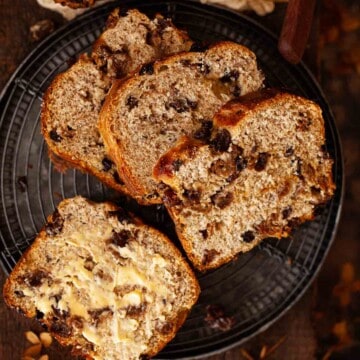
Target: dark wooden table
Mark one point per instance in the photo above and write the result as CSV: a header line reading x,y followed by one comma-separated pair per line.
x,y
331,56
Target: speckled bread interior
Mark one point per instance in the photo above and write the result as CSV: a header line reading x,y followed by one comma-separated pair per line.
x,y
103,282
145,115
72,103
259,169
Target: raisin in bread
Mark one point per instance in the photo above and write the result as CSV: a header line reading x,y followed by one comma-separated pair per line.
x,y
103,282
131,39
263,170
145,115
72,103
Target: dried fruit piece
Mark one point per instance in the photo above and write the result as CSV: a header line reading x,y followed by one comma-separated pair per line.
x,y
35,279
204,132
222,200
192,195
286,212
147,69
248,236
261,161
61,329
55,136
55,226
216,318
170,198
121,238
132,102
230,76
209,256
107,164
181,105
221,141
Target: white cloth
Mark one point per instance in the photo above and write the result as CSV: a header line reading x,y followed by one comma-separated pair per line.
x,y
65,11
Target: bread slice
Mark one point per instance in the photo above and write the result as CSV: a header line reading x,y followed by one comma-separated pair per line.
x,y
70,110
72,103
131,40
103,282
263,171
145,115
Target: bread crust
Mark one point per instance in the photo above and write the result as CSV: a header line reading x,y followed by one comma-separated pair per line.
x,y
231,117
22,264
81,162
135,185
69,158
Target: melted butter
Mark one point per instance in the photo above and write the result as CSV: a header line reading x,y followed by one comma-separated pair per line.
x,y
130,276
90,333
44,304
133,298
97,292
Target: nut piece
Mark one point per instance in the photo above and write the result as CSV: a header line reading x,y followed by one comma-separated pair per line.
x,y
41,29
46,339
32,337
44,357
33,351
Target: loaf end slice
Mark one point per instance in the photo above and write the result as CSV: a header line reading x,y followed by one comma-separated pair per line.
x,y
69,118
131,39
263,171
144,116
103,282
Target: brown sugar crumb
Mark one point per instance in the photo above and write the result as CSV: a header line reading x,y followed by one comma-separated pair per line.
x,y
216,318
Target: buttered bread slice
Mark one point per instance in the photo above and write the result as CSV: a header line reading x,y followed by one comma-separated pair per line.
x,y
103,282
145,115
263,170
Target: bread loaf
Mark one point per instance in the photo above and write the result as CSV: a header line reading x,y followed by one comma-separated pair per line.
x,y
72,103
103,282
263,170
145,115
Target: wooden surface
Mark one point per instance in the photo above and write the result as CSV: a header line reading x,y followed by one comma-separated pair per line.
x,y
341,87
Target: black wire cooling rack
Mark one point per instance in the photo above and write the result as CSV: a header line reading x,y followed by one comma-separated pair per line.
x,y
258,287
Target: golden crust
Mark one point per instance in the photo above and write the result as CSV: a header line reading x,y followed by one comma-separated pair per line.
x,y
135,187
11,300
68,157
231,116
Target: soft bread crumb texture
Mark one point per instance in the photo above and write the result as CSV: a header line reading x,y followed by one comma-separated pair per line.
x,y
131,40
72,103
146,115
264,172
103,282
69,120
